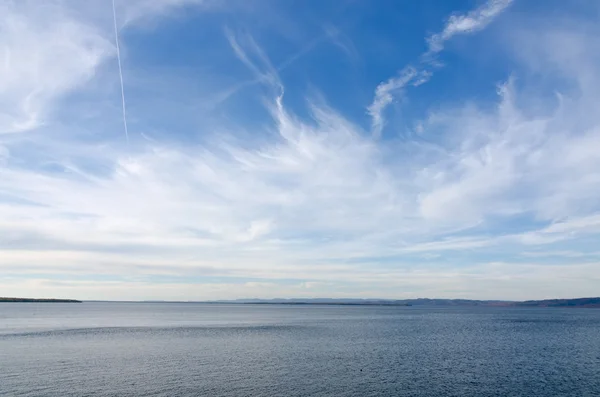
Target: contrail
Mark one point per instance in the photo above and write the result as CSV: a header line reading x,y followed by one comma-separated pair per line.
x,y
120,71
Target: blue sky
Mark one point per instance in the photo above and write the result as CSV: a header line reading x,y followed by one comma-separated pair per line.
x,y
300,149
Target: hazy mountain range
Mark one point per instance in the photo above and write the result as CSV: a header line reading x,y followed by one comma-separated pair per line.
x,y
578,302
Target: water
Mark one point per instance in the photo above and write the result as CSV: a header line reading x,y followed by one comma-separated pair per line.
x,y
156,349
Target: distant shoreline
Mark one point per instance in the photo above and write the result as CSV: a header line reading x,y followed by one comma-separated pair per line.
x,y
16,300
575,303
572,303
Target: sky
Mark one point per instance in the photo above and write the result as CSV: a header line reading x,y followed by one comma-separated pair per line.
x,y
290,149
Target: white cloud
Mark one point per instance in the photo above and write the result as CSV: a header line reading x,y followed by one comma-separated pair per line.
x,y
564,230
4,155
136,11
495,280
253,56
559,254
319,192
316,201
471,22
383,96
46,53
458,24
51,49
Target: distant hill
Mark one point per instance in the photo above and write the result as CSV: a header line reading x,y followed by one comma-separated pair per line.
x,y
578,302
38,300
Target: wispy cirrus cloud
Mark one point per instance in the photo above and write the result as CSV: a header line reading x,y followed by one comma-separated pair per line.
x,y
421,72
252,55
52,49
140,11
470,22
38,72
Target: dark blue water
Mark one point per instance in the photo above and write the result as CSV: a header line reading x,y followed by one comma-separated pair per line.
x,y
154,349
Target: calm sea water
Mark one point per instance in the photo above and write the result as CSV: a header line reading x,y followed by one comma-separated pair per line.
x,y
156,349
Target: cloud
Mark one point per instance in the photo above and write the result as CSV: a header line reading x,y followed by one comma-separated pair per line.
x,y
269,74
143,11
4,155
302,204
384,96
317,192
340,40
51,50
46,54
418,74
471,22
494,280
245,48
564,230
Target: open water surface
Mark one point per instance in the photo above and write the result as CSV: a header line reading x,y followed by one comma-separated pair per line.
x,y
188,349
